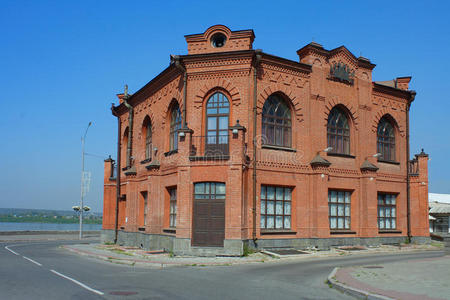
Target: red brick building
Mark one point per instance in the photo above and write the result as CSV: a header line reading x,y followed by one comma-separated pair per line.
x,y
230,146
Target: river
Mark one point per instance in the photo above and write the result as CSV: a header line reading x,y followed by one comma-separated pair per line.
x,y
12,226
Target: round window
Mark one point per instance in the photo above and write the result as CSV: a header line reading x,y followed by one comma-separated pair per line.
x,y
218,40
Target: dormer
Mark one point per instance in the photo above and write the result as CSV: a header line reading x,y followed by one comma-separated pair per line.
x,y
219,38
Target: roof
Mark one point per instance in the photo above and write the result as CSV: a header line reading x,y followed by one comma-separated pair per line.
x,y
390,83
439,208
368,166
319,161
442,198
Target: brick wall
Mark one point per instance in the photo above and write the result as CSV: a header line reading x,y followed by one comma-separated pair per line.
x,y
310,93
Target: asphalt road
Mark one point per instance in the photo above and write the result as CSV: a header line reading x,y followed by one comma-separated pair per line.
x,y
42,270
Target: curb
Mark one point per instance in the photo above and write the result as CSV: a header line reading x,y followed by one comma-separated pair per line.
x,y
357,293
157,264
119,259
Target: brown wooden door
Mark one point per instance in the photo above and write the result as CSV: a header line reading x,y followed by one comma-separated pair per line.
x,y
209,214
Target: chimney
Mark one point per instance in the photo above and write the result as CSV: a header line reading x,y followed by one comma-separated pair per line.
x,y
402,82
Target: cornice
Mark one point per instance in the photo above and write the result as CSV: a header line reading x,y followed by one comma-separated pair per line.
x,y
166,76
383,89
216,55
286,63
318,49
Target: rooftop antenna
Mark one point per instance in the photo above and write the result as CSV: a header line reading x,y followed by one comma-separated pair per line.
x,y
125,93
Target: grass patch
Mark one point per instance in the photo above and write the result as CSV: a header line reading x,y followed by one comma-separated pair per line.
x,y
437,244
247,251
120,251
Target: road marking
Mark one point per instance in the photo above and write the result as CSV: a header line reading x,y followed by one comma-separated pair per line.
x,y
6,247
77,282
33,261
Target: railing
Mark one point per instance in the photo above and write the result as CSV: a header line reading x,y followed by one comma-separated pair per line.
x,y
413,166
113,170
210,146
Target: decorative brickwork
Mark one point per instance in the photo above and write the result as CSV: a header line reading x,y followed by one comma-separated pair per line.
x,y
222,60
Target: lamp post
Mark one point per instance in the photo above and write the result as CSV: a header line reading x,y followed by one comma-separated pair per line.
x,y
82,181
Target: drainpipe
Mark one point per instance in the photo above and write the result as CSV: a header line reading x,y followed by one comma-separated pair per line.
x,y
116,222
255,98
177,61
408,194
130,124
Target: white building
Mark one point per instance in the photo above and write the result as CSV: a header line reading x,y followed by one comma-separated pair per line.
x,y
439,205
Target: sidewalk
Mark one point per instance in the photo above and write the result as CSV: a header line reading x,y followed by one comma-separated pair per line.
x,y
412,280
155,259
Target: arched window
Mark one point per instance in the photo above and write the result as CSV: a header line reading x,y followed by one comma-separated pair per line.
x,y
175,125
276,122
147,130
338,132
386,140
217,114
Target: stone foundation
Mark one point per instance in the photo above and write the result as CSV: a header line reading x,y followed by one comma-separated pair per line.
x,y
181,246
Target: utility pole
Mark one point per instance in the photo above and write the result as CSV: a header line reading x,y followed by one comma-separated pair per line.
x,y
82,181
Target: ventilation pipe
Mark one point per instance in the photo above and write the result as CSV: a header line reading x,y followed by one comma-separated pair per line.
x,y
408,193
255,98
116,222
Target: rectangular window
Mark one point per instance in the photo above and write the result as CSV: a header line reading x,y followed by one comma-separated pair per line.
x,y
387,211
145,206
339,209
275,207
173,207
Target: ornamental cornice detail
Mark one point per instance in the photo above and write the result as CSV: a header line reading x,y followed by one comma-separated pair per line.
x,y
218,63
218,74
391,176
271,164
380,94
344,171
391,102
267,67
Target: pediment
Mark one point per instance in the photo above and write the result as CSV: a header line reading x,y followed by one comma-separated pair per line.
x,y
343,55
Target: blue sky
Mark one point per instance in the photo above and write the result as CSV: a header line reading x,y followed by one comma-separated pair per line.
x,y
62,62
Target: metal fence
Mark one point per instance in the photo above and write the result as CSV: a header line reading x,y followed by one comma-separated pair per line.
x,y
413,166
210,146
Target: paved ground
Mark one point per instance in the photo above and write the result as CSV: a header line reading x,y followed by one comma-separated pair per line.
x,y
155,259
416,279
44,270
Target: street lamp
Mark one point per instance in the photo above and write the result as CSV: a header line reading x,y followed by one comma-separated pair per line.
x,y
81,208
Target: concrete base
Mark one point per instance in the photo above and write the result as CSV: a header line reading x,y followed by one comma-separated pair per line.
x,y
230,248
182,246
325,244
139,239
177,246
